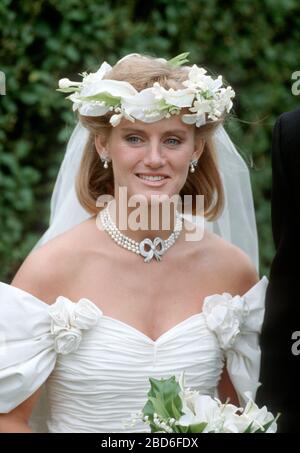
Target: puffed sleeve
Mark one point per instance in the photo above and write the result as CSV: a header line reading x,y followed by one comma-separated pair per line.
x,y
237,322
32,333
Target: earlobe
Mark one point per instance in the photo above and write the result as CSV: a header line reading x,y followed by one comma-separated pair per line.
x,y
199,149
100,146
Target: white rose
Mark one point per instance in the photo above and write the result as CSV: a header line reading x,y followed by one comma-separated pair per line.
x,y
67,340
85,314
224,315
61,312
67,318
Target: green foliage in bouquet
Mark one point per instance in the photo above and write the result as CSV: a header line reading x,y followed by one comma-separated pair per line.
x,y
172,408
164,403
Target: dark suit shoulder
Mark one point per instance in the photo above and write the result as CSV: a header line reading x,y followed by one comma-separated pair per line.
x,y
290,127
286,144
294,115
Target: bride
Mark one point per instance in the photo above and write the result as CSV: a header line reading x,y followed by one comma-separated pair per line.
x,y
99,305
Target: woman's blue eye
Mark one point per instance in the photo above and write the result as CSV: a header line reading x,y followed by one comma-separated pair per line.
x,y
132,137
174,140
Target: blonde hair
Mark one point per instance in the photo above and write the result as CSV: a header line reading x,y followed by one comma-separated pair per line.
x,y
93,180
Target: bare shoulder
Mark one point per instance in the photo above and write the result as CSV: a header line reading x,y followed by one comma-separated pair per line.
x,y
46,271
42,272
231,265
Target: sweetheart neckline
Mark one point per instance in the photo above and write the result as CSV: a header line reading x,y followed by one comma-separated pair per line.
x,y
263,280
144,335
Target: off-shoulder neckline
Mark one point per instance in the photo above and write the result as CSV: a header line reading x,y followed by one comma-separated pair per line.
x,y
262,281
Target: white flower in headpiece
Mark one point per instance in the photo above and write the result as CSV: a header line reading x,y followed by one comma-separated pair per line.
x,y
211,98
195,75
117,117
115,88
142,105
67,83
225,98
198,80
203,95
98,98
179,98
88,108
94,77
196,119
200,107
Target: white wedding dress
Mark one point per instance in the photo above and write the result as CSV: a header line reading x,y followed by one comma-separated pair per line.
x,y
94,369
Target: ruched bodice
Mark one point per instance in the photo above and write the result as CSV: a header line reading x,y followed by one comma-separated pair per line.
x,y
107,378
96,368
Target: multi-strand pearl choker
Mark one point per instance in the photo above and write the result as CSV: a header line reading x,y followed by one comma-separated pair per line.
x,y
157,247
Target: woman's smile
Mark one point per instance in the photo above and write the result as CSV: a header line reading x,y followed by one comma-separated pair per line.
x,y
157,181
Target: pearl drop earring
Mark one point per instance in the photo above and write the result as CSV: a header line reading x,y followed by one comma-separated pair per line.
x,y
192,165
105,160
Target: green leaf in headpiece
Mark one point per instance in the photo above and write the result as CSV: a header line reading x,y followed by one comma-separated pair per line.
x,y
179,60
106,97
68,90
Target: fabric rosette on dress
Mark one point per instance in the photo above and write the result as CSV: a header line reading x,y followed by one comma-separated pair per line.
x,y
68,320
236,321
224,315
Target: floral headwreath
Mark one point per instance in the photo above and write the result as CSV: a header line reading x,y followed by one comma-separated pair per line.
x,y
203,95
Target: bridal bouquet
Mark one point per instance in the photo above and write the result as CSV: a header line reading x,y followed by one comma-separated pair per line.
x,y
172,408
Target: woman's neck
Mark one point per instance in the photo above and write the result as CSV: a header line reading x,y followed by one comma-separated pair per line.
x,y
143,222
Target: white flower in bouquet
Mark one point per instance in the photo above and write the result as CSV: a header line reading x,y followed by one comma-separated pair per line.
x,y
205,410
198,409
257,417
173,408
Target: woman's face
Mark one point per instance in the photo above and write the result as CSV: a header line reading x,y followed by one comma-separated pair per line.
x,y
163,148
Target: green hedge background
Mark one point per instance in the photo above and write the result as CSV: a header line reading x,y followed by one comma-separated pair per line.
x,y
254,44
